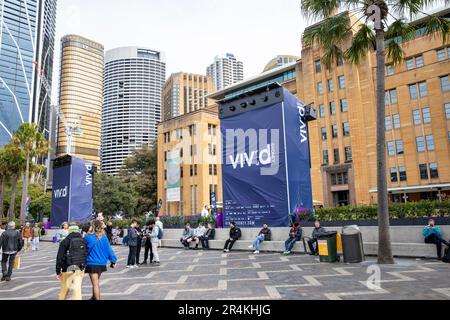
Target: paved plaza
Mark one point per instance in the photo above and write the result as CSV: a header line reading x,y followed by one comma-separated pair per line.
x,y
209,275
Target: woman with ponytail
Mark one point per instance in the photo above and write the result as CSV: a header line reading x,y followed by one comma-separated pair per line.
x,y
99,253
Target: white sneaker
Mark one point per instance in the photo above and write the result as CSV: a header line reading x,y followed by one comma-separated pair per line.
x,y
135,266
251,246
256,252
129,267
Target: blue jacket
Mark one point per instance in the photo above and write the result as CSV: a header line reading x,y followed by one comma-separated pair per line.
x,y
99,251
427,231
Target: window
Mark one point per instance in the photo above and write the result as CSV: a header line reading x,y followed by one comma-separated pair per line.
x,y
332,108
393,96
341,80
416,117
193,148
389,70
394,176
445,85
396,120
165,155
336,155
447,110
209,149
339,61
339,178
402,173
426,115
441,56
325,159
388,123
330,85
192,130
191,170
434,174
324,133
348,153
419,61
410,63
346,129
319,87
181,152
430,142
322,111
165,174
211,129
317,66
399,146
344,106
334,131
413,91
423,89
179,134
181,172
391,149
420,144
423,171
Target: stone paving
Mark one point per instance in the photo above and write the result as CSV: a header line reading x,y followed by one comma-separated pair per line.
x,y
210,275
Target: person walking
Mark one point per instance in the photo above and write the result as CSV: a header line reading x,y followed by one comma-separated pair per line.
x,y
109,231
154,237
209,235
235,234
70,263
64,232
10,244
27,235
99,253
36,236
264,235
295,234
132,244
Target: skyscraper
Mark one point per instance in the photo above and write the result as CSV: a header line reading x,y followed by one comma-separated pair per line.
x,y
80,96
27,31
225,71
132,87
185,92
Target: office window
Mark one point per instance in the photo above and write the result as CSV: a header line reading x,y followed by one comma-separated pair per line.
x,y
423,89
165,155
386,98
399,146
394,176
317,66
325,159
410,63
341,80
324,133
393,96
165,174
322,111
346,129
430,142
412,91
419,61
339,61
209,149
334,131
402,173
195,169
416,117
423,171
332,108
336,155
388,122
181,171
210,169
448,134
191,170
215,169
441,54
391,148
434,174
330,85
420,144
344,106
445,85
319,87
389,70
348,153
181,152
396,120
447,110
426,115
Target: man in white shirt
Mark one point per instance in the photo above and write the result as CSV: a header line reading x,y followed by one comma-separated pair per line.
x,y
205,212
199,232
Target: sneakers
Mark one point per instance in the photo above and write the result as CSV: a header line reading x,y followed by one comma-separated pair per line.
x,y
8,279
156,263
256,252
250,246
128,266
226,250
286,253
3,278
135,266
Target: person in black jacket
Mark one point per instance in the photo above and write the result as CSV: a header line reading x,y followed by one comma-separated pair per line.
x,y
209,235
295,234
264,235
147,243
132,244
235,234
139,243
312,242
10,244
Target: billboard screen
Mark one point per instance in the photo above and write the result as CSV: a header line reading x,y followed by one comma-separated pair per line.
x,y
60,195
173,176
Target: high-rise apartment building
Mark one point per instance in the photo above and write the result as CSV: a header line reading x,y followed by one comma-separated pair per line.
x,y
132,88
225,71
80,97
27,32
184,93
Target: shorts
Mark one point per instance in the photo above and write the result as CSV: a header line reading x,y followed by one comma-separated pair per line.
x,y
95,269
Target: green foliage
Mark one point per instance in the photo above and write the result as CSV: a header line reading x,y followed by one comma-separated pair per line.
x,y
41,203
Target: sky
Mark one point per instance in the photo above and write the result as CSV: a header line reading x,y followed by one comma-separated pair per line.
x,y
190,32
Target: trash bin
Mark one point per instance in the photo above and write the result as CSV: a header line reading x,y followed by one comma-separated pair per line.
x,y
352,244
327,245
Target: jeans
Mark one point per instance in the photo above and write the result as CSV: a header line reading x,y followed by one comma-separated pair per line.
x,y
257,242
35,244
132,256
148,247
71,281
205,242
229,244
289,244
138,250
8,264
433,238
155,250
312,243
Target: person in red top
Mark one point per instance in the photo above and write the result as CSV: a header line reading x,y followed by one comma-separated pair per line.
x,y
27,235
295,234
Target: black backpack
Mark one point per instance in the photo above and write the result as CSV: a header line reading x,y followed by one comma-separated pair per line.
x,y
446,257
77,252
43,232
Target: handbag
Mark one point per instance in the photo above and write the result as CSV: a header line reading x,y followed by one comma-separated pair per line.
x,y
16,263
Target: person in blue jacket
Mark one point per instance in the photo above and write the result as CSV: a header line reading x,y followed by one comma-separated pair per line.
x,y
99,252
433,234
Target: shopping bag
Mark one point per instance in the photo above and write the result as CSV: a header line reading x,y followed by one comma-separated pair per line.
x,y
17,263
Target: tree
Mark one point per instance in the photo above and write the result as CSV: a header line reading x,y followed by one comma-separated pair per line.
x,y
3,176
367,34
33,144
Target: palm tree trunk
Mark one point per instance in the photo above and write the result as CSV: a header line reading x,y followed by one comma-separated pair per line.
x,y
1,196
25,192
12,203
384,241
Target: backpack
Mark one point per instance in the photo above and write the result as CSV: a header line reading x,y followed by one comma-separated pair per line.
x,y
77,252
43,232
160,233
446,257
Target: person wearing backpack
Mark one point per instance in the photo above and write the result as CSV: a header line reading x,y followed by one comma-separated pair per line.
x,y
235,234
10,244
99,252
154,238
71,263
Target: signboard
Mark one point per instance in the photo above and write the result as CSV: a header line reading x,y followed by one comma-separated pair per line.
x,y
213,204
173,176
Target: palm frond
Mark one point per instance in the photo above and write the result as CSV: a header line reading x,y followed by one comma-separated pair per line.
x,y
411,7
331,53
400,30
331,30
319,9
438,26
363,41
395,52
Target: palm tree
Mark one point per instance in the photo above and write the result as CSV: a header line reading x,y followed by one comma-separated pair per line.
x,y
33,143
4,175
374,22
